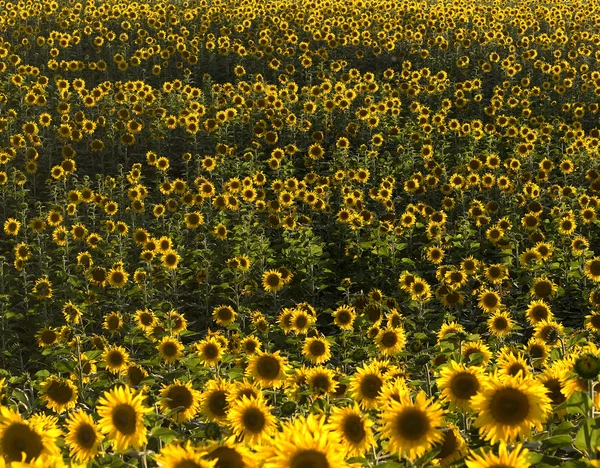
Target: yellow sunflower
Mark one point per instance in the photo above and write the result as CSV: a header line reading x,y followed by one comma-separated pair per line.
x,y
182,396
83,437
452,448
354,429
59,394
517,458
391,340
305,442
213,400
122,411
508,407
317,350
186,455
251,419
459,383
170,349
272,281
268,369
412,427
209,351
366,386
22,440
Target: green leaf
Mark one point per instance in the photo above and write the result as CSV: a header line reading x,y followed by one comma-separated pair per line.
x,y
557,441
579,403
563,428
163,433
586,438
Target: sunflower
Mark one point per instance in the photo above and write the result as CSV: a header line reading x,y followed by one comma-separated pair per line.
x,y
476,347
224,315
42,288
543,288
459,383
548,331
537,351
250,345
507,407
448,330
354,429
272,281
47,337
209,351
538,311
305,442
71,313
145,319
251,419
177,455
500,324
592,322
517,458
301,321
229,454
489,300
59,394
115,358
170,349
180,400
452,448
392,390
117,277
391,340
320,380
317,350
420,291
268,369
83,437
512,364
213,400
22,440
135,374
113,322
122,411
592,269
412,426
241,389
366,386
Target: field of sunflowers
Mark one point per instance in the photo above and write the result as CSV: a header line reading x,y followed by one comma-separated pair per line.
x,y
299,233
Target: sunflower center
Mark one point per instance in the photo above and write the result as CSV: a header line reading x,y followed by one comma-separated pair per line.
x,y
595,321
124,418
17,438
353,429
321,382
180,396
595,267
412,424
539,313
49,337
135,375
371,386
515,368
86,436
464,385
253,420
187,464
217,403
500,323
226,458
273,280
317,348
169,349
268,367
60,392
210,351
115,358
509,406
543,289
309,459
389,339
449,445
490,300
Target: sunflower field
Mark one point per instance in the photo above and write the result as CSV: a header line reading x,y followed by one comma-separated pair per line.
x,y
299,233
